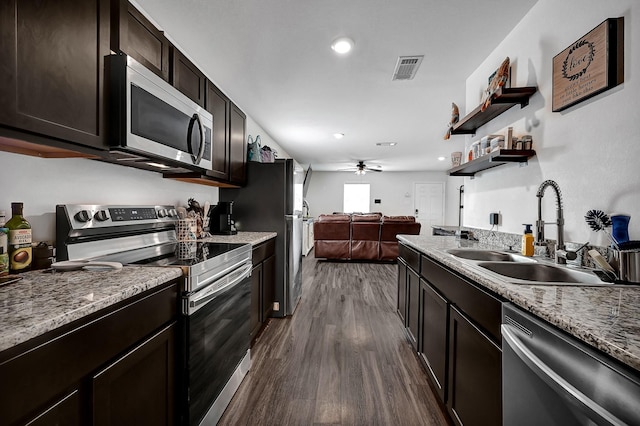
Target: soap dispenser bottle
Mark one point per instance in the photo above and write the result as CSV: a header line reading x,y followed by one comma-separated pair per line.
x,y
527,240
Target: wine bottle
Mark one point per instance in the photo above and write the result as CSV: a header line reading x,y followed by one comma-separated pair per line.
x,y
20,254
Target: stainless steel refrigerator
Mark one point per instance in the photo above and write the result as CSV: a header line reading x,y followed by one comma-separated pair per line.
x,y
272,201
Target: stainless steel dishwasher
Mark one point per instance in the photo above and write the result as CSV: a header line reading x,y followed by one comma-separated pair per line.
x,y
551,378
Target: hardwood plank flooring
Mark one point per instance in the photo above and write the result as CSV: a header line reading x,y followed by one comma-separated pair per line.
x,y
342,359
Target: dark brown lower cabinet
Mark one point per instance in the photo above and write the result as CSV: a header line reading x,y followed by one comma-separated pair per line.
x,y
434,336
454,325
262,285
138,388
268,286
115,366
475,375
402,291
256,296
413,306
63,412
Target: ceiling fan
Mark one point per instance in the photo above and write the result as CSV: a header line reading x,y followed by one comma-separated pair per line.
x,y
361,168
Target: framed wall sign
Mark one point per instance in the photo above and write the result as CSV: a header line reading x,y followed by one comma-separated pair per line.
x,y
591,65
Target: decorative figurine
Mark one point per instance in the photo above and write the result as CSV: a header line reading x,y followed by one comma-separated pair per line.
x,y
498,80
455,116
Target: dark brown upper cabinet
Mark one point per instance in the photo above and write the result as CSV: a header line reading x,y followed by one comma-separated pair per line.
x,y
237,146
218,105
134,35
187,78
52,72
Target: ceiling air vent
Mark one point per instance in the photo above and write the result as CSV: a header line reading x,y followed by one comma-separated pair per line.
x,y
407,67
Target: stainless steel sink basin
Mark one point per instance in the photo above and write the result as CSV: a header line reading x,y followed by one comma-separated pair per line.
x,y
542,273
489,255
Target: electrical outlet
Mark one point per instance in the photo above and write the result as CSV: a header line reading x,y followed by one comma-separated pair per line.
x,y
276,306
494,218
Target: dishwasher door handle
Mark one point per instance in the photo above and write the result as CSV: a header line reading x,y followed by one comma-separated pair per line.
x,y
563,388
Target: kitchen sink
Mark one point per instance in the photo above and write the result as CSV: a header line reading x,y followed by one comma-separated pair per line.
x,y
542,273
489,255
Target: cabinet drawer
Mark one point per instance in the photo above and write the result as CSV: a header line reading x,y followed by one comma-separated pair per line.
x,y
410,256
477,304
60,359
263,250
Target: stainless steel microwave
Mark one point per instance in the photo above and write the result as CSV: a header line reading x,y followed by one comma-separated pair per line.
x,y
151,122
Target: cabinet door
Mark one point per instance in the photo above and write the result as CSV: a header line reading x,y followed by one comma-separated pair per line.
x,y
413,306
402,291
218,105
187,78
238,146
138,388
434,336
268,286
256,306
134,35
475,376
64,412
52,68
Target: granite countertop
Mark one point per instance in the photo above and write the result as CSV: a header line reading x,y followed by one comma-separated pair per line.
x,y
605,317
43,301
253,238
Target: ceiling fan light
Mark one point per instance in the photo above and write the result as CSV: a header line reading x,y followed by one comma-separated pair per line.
x,y
360,172
342,45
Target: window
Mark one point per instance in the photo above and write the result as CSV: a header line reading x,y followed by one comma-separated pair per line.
x,y
356,197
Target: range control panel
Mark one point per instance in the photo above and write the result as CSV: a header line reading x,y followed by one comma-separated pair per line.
x,y
82,216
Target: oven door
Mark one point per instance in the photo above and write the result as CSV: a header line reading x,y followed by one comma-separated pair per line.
x,y
160,121
215,325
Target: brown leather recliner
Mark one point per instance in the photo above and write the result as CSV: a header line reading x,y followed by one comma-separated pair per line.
x,y
332,235
390,228
365,236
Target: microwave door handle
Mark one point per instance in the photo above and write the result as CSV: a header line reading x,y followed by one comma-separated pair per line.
x,y
196,159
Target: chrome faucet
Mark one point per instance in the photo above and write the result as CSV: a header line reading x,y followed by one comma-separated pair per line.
x,y
561,254
560,247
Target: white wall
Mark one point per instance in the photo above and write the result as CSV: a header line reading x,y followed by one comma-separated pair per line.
x,y
394,189
47,182
591,150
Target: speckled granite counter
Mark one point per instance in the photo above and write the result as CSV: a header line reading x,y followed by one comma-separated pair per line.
x,y
44,301
606,317
253,238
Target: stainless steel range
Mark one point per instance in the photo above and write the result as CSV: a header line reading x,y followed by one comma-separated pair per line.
x,y
216,293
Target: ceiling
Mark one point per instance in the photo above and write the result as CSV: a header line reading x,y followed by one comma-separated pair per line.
x,y
273,59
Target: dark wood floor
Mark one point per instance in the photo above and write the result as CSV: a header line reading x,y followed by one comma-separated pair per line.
x,y
342,359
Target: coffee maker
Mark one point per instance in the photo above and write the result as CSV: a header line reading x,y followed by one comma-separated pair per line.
x,y
220,219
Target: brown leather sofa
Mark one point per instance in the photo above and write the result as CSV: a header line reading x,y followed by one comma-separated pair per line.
x,y
369,236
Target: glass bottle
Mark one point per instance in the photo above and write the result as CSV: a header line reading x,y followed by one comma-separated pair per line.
x,y
20,254
4,245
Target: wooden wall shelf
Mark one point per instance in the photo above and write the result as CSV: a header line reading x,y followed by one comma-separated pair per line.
x,y
493,159
502,100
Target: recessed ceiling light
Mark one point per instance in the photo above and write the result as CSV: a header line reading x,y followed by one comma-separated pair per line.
x,y
338,135
342,45
386,143
441,158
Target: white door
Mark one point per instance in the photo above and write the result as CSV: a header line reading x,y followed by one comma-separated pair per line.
x,y
428,202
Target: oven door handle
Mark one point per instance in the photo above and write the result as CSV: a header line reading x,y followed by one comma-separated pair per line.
x,y
205,296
